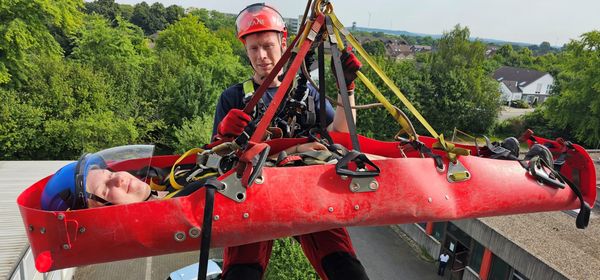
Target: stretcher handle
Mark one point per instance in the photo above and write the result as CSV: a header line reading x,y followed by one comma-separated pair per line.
x,y
341,167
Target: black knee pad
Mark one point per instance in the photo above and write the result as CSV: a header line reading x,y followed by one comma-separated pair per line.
x,y
343,266
243,272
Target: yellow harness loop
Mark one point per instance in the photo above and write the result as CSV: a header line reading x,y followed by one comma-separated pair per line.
x,y
174,183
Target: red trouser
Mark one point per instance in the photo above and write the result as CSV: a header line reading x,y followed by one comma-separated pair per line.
x,y
315,246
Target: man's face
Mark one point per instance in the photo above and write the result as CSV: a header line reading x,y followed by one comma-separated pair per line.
x,y
264,49
115,187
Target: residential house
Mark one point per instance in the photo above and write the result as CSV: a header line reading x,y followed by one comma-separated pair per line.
x,y
524,84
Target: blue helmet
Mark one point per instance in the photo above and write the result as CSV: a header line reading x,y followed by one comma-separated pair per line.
x,y
66,189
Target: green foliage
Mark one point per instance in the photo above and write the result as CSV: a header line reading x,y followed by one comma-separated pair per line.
x,y
19,126
193,133
520,104
579,90
462,94
26,32
288,262
535,121
375,48
106,8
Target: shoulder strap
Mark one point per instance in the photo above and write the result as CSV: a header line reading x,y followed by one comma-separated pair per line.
x,y
248,88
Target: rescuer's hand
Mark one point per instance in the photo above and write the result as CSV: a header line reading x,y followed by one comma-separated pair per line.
x,y
350,65
233,123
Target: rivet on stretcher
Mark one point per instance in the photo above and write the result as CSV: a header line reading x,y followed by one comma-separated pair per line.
x,y
30,227
216,217
330,209
430,200
66,246
246,215
373,185
356,207
259,180
447,197
344,177
81,229
194,232
354,186
43,230
61,216
179,236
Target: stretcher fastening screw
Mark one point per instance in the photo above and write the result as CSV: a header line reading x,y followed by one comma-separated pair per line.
x,y
30,227
246,215
179,236
354,186
430,200
330,209
344,177
61,216
43,230
447,197
373,185
356,207
66,246
81,229
194,232
216,218
259,180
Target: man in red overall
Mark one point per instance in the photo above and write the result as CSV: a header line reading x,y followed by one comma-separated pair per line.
x,y
262,30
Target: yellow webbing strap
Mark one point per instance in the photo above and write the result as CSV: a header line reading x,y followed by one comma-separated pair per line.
x,y
386,80
386,104
450,148
442,144
170,195
248,88
172,174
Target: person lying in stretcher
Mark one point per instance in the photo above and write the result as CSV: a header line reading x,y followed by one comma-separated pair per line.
x,y
91,182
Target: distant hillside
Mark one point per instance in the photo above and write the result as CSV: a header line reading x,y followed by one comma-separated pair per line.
x,y
435,36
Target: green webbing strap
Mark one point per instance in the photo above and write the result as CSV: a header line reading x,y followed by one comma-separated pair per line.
x,y
248,88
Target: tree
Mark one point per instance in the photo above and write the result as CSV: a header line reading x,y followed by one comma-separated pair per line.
x,y
106,8
141,17
463,95
375,48
157,20
174,13
26,31
579,90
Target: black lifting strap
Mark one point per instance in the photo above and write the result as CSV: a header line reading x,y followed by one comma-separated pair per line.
x,y
210,185
341,81
583,217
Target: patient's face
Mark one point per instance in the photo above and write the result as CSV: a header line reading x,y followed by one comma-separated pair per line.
x,y
115,187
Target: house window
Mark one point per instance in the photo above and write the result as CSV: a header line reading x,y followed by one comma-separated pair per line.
x,y
438,230
422,225
476,256
548,89
538,88
500,269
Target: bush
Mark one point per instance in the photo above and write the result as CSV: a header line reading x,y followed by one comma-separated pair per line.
x,y
520,104
288,262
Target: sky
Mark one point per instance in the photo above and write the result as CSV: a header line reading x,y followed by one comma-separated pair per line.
x,y
528,21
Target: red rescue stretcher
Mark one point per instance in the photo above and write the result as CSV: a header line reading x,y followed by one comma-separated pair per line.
x,y
297,200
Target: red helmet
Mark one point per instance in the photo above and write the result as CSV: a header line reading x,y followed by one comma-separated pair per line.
x,y
257,18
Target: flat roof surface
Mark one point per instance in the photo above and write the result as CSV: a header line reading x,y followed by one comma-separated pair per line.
x,y
553,238
16,176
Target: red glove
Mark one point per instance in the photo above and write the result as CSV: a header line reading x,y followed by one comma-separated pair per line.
x,y
233,124
350,65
